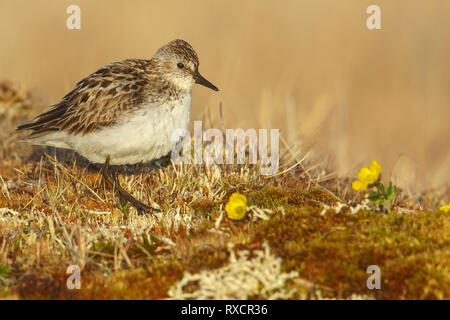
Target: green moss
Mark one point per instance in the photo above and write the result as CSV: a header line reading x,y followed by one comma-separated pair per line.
x,y
335,250
52,285
203,207
269,197
315,195
103,246
125,209
5,271
273,197
152,282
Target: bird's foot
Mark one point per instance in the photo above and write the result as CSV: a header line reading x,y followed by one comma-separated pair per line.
x,y
124,196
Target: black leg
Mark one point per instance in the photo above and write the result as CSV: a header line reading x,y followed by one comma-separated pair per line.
x,y
113,180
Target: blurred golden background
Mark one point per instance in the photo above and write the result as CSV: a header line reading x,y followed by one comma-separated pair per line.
x,y
311,68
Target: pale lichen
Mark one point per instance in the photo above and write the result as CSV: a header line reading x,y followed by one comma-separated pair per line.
x,y
242,278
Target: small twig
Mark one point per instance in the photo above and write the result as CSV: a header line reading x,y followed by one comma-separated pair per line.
x,y
78,180
290,168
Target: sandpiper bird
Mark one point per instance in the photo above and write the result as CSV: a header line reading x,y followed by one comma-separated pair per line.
x,y
124,113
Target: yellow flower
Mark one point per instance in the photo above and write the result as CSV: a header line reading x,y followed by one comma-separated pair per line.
x,y
236,207
445,208
367,176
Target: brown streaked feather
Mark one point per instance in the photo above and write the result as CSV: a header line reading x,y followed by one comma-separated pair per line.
x,y
179,48
98,100
114,90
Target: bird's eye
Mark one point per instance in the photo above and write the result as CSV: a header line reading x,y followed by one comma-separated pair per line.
x,y
180,65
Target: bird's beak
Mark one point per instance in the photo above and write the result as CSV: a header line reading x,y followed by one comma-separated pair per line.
x,y
200,80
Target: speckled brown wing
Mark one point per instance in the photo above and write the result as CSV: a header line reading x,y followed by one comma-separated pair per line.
x,y
96,101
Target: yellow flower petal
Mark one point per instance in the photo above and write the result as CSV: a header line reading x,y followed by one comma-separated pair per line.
x,y
367,176
445,208
236,207
375,167
359,185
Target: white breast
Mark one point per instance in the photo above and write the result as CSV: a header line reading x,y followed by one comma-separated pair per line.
x,y
143,135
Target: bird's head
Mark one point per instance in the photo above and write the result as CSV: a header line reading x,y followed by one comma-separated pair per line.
x,y
178,63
